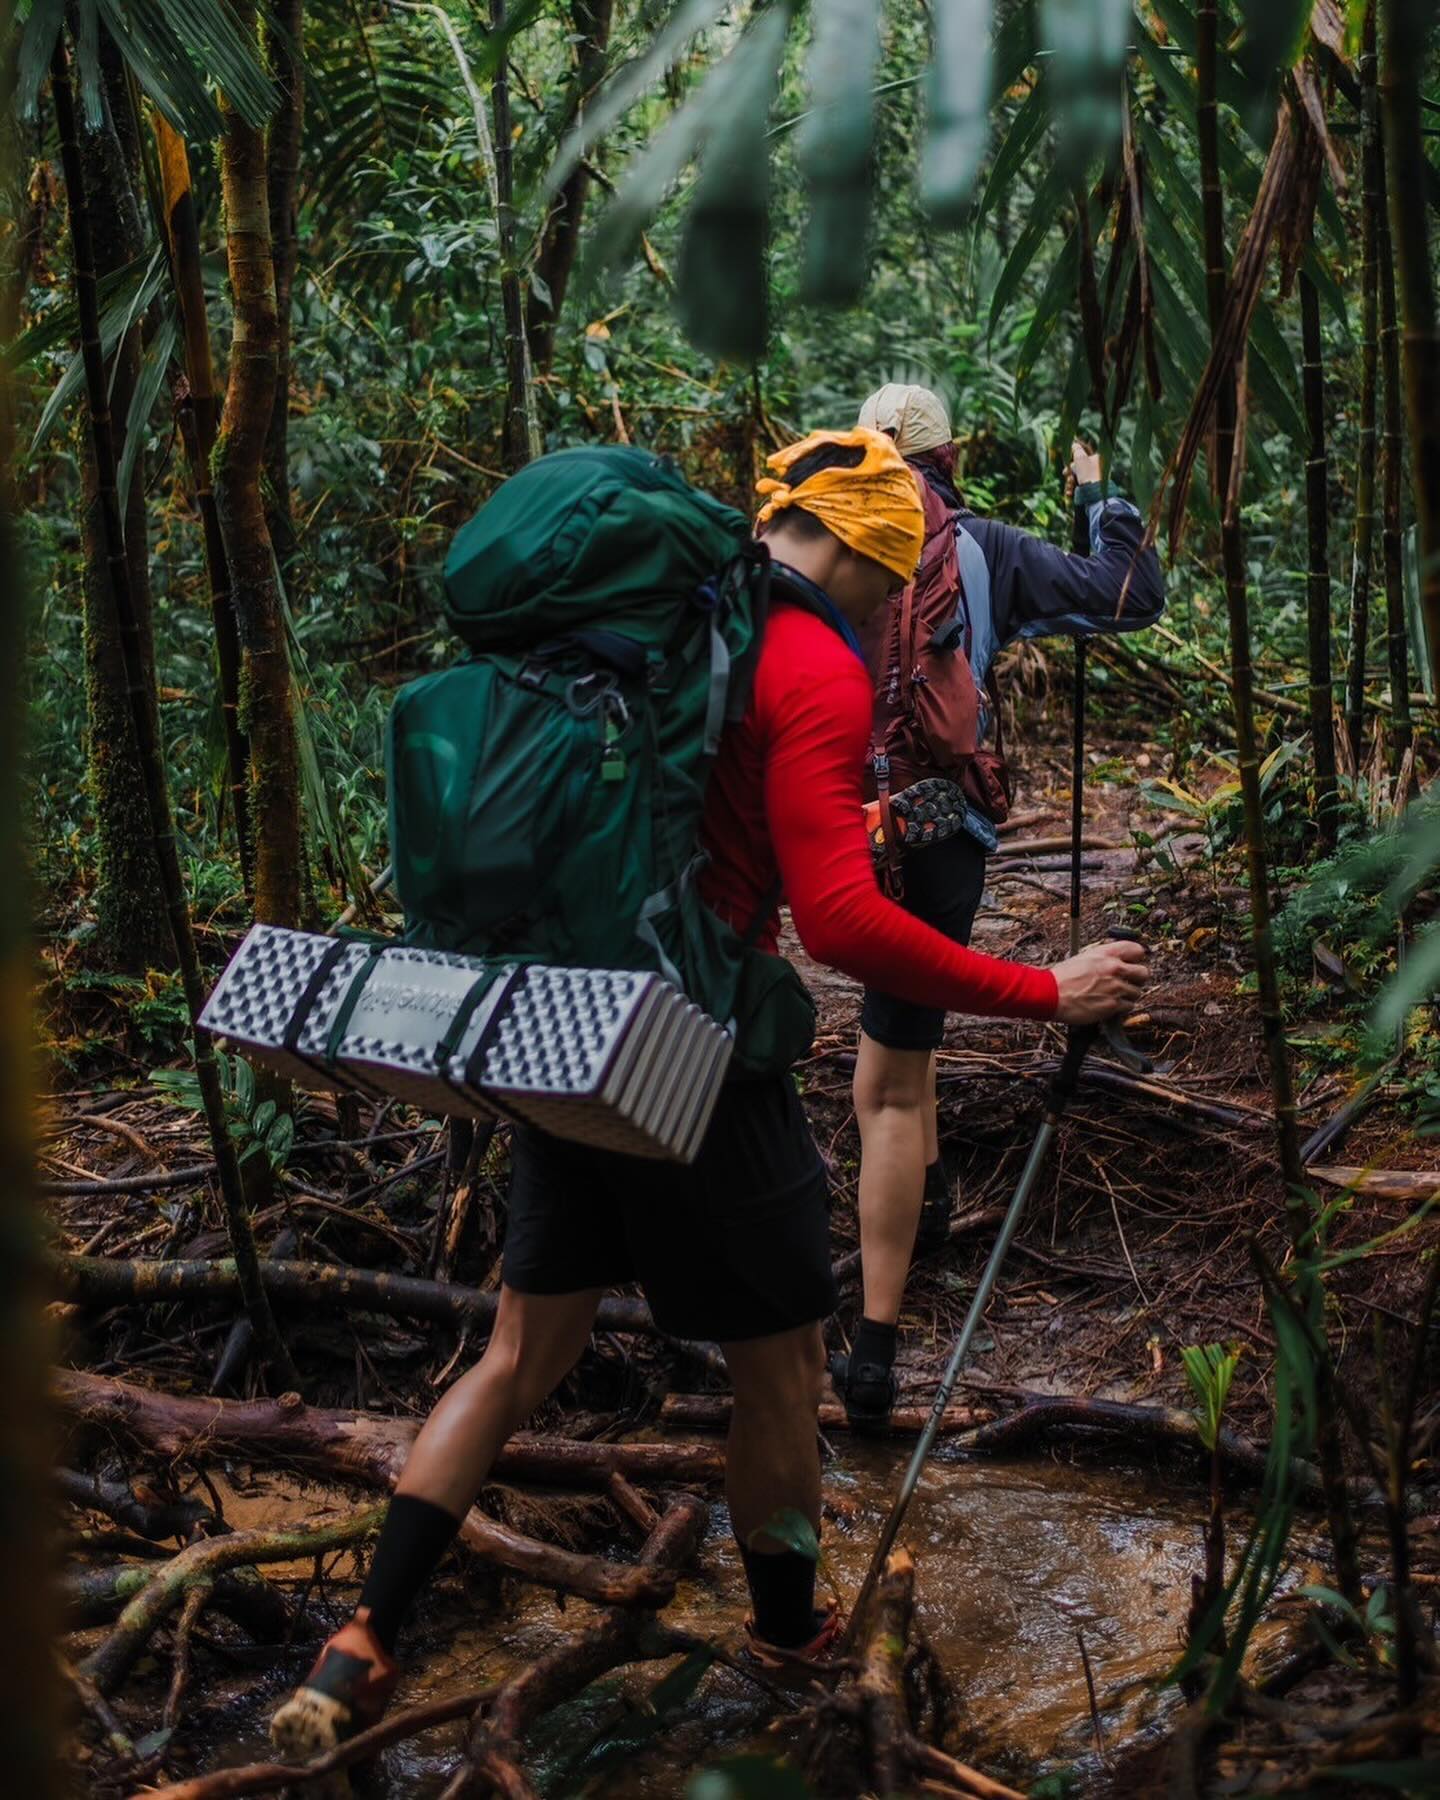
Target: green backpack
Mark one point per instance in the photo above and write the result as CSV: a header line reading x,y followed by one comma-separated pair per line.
x,y
546,791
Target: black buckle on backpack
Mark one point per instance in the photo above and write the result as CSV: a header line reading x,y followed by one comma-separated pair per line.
x,y
950,636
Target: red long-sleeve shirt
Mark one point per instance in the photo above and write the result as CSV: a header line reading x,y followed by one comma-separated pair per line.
x,y
785,799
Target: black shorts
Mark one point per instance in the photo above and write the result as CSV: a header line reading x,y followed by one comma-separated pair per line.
x,y
943,885
736,1245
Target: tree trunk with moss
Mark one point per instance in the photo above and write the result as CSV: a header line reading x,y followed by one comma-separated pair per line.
x,y
132,932
284,27
198,423
29,1699
520,436
266,696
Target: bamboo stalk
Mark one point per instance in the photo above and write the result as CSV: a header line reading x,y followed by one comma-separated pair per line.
x,y
237,1218
182,230
1317,507
1409,26
1396,631
1212,198
1371,153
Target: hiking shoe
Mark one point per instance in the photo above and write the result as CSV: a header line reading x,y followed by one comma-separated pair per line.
x,y
347,1690
806,1662
926,812
867,1391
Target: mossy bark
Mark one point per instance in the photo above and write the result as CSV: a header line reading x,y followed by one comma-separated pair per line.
x,y
267,713
29,1697
129,901
284,28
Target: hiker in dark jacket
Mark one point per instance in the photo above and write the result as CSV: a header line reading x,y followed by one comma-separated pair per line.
x,y
1011,585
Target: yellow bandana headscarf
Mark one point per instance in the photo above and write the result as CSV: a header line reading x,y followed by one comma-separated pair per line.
x,y
874,509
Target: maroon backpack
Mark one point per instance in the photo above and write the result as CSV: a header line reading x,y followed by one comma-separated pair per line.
x,y
927,707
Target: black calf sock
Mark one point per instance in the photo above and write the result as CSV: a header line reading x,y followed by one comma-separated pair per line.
x,y
415,1535
937,1182
782,1593
874,1343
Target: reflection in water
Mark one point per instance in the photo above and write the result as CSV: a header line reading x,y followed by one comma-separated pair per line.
x,y
1012,1557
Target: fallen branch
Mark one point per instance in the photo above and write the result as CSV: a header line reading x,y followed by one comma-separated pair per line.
x,y
120,1281
1044,1414
148,1519
711,1412
881,1686
94,1596
1048,846
492,1755
198,1566
155,1182
371,1449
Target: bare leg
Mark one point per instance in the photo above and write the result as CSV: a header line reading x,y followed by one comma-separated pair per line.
x,y
895,1109
772,1460
932,1117
537,1340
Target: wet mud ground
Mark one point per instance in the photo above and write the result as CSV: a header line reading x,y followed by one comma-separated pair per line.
x,y
1135,1246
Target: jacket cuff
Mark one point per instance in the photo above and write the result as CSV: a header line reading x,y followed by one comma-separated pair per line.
x,y
1089,492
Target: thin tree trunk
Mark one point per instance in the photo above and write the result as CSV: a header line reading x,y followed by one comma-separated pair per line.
x,y
131,932
1230,456
1317,506
520,437
590,20
30,1724
198,427
1372,151
284,26
267,700
1397,635
152,756
1409,27
1212,197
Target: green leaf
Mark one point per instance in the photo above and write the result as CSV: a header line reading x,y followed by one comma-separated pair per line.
x,y
1327,1596
279,1140
129,299
748,1778
137,423
1088,41
243,1085
1416,981
832,147
262,1117
1049,199
1026,129
957,123
791,1528
722,287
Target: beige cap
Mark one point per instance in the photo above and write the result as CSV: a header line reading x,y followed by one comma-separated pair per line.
x,y
916,418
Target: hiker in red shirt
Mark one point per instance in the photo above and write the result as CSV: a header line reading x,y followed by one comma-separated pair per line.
x,y
736,1246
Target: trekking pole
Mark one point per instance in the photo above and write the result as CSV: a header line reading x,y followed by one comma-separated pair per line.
x,y
1079,1040
1080,543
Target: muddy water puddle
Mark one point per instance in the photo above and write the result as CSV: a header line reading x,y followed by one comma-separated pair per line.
x,y
1016,1562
